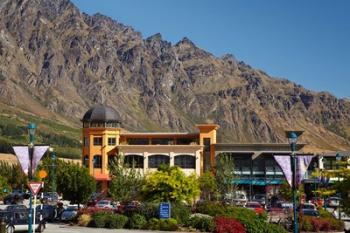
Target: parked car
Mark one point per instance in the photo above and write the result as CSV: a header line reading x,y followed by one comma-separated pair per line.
x,y
13,198
255,206
261,198
16,218
307,206
333,202
106,203
48,212
238,198
310,212
49,198
69,213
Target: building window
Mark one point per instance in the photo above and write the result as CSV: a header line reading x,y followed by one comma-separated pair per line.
x,y
162,141
185,161
154,161
86,141
86,161
97,141
186,141
135,161
97,161
111,141
138,141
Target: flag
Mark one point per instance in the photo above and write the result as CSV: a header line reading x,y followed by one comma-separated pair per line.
x,y
38,153
284,162
22,154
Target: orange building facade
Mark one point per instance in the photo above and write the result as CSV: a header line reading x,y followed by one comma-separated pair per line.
x,y
103,139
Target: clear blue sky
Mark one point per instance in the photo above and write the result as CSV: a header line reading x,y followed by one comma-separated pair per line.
x,y
305,41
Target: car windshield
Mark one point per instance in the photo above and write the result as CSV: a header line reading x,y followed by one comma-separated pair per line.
x,y
259,196
103,203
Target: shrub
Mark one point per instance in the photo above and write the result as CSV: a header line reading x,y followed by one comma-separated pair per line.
x,y
99,219
314,224
137,221
116,221
181,212
228,225
153,224
211,208
168,224
202,223
149,210
84,220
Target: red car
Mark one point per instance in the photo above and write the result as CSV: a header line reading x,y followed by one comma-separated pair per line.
x,y
255,206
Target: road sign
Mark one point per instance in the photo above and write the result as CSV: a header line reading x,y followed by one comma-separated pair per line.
x,y
164,210
34,187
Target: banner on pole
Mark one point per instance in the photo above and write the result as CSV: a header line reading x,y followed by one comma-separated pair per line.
x,y
303,163
38,153
22,154
284,162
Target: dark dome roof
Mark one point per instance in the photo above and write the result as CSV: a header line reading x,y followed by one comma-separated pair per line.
x,y
101,113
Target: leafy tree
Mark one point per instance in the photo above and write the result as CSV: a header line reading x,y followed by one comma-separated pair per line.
x,y
126,182
74,182
207,184
286,191
13,174
341,186
4,187
170,184
225,175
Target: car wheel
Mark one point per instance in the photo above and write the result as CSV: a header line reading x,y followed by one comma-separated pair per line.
x,y
10,229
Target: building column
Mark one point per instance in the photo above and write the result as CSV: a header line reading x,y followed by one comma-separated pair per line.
x,y
145,162
171,162
198,162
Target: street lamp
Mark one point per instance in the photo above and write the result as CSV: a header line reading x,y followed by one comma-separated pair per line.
x,y
292,139
53,169
31,132
338,158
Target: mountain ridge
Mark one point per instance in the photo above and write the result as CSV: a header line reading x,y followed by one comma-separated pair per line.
x,y
59,62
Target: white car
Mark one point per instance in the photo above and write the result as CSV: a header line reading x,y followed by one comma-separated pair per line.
x,y
238,198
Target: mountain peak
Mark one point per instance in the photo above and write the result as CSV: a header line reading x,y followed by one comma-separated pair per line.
x,y
186,41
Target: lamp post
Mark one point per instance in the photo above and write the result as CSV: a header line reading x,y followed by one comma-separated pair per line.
x,y
31,132
293,138
338,158
53,170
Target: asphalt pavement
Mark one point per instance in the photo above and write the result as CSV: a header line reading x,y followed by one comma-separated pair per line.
x,y
60,228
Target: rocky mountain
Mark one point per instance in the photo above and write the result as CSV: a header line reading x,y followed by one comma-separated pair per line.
x,y
56,62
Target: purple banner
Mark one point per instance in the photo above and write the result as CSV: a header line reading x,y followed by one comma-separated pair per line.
x,y
284,162
303,163
38,153
22,154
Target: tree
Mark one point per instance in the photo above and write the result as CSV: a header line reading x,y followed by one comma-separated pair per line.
x,y
207,184
74,182
224,174
171,184
13,174
4,187
126,182
342,184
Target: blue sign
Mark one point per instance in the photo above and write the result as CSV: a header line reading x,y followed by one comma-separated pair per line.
x,y
164,210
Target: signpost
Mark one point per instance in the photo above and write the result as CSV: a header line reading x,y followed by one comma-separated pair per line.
x,y
34,188
164,210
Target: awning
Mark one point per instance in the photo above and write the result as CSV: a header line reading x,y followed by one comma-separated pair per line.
x,y
102,177
259,182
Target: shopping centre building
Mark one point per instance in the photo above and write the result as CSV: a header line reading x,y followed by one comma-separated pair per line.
x,y
194,152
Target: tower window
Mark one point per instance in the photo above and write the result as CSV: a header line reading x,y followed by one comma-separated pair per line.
x,y
86,141
97,161
97,141
111,141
